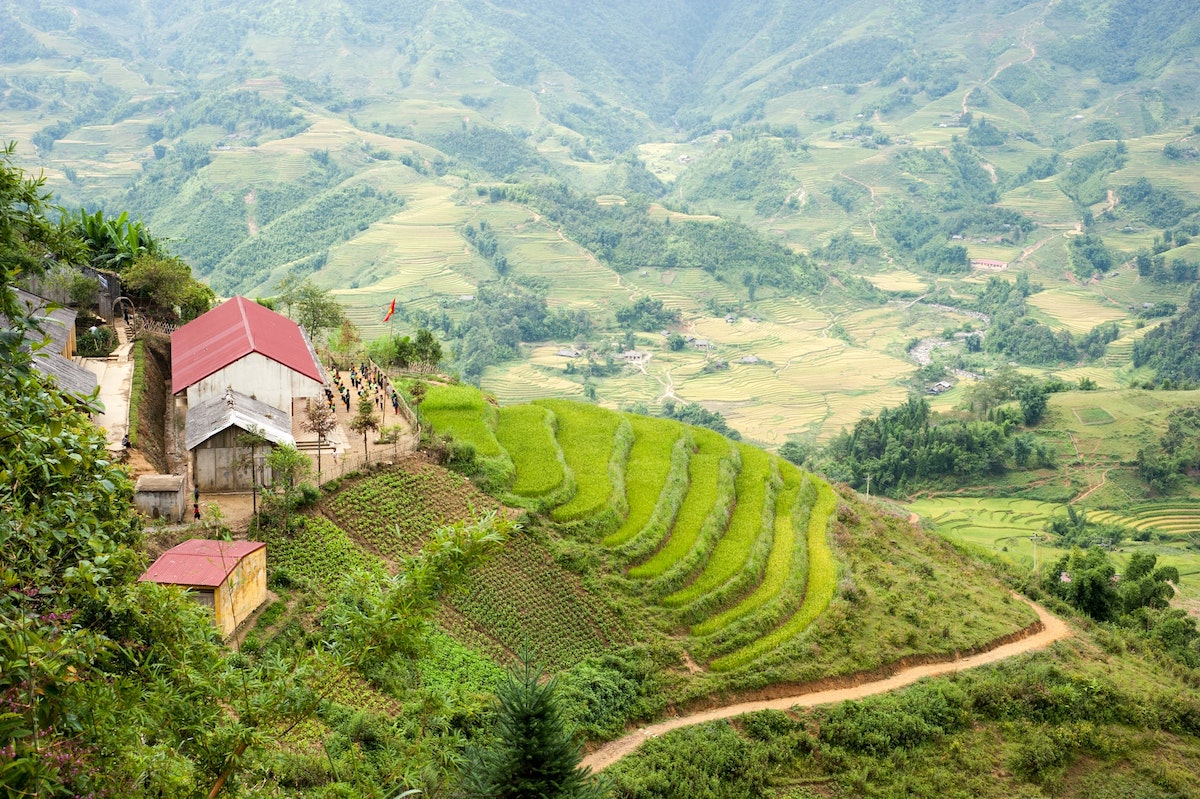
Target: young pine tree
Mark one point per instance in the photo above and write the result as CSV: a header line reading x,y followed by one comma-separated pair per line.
x,y
533,754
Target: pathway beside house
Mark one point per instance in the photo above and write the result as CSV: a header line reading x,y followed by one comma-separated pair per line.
x,y
115,376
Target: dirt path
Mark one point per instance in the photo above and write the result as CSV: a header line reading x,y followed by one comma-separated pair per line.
x,y
1053,629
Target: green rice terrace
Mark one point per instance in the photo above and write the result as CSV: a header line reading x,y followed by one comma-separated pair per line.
x,y
694,565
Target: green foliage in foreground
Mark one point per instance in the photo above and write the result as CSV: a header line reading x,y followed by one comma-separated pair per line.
x,y
1030,726
533,752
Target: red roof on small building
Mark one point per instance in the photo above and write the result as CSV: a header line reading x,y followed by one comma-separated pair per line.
x,y
231,331
199,562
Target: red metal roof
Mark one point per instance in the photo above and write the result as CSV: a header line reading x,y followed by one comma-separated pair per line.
x,y
199,562
231,331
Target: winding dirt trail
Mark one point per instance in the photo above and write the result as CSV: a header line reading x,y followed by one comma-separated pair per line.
x,y
1051,629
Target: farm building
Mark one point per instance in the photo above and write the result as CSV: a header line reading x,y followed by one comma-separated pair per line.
x,y
240,343
220,461
228,576
239,368
161,496
634,356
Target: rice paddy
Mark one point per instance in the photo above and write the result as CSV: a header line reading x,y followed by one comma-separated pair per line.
x,y
586,434
649,465
527,435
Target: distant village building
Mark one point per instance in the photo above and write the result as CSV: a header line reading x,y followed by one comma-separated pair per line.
x,y
634,356
161,496
730,318
702,344
940,387
569,352
749,359
239,368
228,576
56,358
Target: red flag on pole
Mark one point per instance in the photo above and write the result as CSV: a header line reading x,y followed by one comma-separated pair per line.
x,y
391,310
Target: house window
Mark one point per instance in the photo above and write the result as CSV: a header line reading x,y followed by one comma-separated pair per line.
x,y
205,597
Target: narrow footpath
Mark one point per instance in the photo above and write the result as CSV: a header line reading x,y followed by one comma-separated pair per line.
x,y
1052,629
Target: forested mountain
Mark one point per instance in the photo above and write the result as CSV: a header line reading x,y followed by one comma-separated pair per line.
x,y
899,150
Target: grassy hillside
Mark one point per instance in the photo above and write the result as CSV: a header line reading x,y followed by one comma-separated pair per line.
x,y
893,146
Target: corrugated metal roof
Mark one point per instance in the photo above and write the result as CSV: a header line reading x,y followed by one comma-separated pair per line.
x,y
49,359
231,331
234,409
200,562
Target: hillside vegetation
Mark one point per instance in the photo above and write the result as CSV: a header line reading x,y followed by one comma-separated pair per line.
x,y
797,163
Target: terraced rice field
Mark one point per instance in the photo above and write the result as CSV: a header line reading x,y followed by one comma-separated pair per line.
x,y
458,411
649,465
744,528
522,382
703,468
722,549
899,280
1172,517
585,433
526,434
996,525
1075,310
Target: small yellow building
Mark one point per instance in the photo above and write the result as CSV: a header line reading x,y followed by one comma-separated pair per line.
x,y
228,576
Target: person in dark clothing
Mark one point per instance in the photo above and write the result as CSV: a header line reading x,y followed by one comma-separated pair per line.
x,y
196,512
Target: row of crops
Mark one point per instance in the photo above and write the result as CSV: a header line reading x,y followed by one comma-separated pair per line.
x,y
727,541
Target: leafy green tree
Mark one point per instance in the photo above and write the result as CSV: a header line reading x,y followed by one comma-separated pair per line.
x,y
1022,449
365,421
112,244
289,467
166,283
108,686
533,753
797,452
312,307
1086,579
1033,399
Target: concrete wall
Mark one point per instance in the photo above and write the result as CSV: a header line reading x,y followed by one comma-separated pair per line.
x,y
242,592
256,376
162,504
